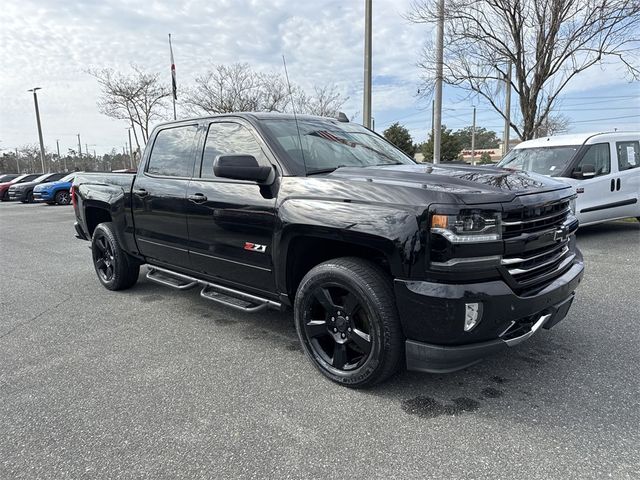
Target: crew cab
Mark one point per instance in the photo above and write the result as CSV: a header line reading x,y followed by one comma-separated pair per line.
x,y
384,261
23,191
604,168
56,192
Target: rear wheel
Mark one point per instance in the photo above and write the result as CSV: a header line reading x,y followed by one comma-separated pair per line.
x,y
116,269
63,197
5,196
347,321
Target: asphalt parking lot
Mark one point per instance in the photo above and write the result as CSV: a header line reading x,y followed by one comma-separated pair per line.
x,y
155,383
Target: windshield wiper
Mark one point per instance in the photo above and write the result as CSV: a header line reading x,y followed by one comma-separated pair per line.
x,y
324,170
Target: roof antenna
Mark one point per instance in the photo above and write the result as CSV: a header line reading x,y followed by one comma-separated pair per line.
x,y
295,117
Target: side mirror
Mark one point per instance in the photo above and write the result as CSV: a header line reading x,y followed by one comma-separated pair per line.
x,y
240,167
588,170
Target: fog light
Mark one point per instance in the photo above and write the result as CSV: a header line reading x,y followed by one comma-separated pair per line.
x,y
472,315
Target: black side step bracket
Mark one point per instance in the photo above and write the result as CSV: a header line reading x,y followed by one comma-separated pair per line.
x,y
229,297
169,280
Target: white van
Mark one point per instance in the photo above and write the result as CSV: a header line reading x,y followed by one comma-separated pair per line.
x,y
604,168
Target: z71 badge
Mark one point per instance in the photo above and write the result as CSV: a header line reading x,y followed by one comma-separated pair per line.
x,y
255,247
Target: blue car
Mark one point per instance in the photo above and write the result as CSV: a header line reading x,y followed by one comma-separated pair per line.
x,y
55,192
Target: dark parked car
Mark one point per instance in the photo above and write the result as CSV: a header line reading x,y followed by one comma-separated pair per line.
x,y
24,191
384,261
4,187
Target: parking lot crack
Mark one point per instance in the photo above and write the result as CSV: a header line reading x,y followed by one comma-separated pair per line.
x,y
35,317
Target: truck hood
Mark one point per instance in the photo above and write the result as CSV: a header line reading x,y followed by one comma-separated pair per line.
x,y
470,184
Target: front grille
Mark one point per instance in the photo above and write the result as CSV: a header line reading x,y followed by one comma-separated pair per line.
x,y
532,219
535,268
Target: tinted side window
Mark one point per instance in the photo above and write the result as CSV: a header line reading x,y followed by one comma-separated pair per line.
x,y
628,155
229,138
599,156
172,154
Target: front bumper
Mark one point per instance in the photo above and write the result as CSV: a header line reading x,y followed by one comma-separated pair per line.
x,y
42,196
17,195
432,316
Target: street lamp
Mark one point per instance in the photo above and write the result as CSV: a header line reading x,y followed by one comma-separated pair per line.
x,y
35,101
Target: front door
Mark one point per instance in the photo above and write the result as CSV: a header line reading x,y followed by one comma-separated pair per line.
x,y
231,222
159,197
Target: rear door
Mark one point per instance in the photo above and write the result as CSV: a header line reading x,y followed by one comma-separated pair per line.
x,y
628,181
159,196
231,222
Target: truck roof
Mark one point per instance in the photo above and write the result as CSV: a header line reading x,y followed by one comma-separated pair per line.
x,y
254,115
573,139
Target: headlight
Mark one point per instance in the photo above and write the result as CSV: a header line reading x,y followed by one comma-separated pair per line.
x,y
468,226
572,205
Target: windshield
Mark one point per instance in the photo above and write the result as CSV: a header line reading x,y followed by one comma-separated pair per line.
x,y
68,178
17,179
544,160
327,145
41,177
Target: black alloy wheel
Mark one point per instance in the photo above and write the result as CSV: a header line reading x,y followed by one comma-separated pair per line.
x,y
103,257
347,321
339,330
116,269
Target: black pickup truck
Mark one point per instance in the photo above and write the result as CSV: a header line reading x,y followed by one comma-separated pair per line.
x,y
384,260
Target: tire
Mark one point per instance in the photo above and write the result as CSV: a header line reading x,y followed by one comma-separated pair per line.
x,y
5,196
347,322
29,198
116,269
62,197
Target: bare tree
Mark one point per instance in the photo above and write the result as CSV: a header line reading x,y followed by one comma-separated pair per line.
x,y
548,42
238,88
138,97
552,125
325,101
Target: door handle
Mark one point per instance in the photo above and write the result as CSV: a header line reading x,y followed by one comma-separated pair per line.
x,y
141,192
613,184
197,197
618,184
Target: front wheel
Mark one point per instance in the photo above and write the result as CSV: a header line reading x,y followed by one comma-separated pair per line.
x,y
63,197
347,322
116,269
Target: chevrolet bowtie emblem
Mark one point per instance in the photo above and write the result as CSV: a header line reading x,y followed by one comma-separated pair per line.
x,y
561,234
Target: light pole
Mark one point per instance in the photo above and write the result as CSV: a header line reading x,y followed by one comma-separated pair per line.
x,y
130,148
35,101
473,137
366,107
437,110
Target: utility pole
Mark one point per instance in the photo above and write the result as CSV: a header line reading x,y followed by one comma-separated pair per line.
x,y
366,106
473,137
79,147
433,106
130,149
437,115
507,113
17,160
35,101
58,149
